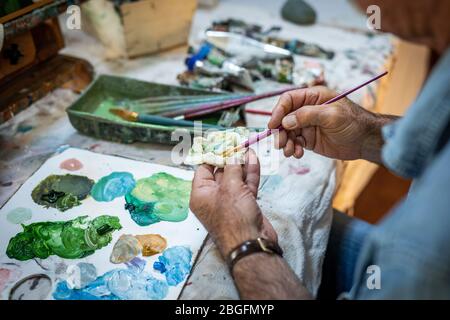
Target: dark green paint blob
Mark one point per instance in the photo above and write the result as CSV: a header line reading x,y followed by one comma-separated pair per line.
x,y
73,239
160,197
62,191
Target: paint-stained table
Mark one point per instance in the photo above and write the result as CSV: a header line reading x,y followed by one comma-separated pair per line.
x,y
32,136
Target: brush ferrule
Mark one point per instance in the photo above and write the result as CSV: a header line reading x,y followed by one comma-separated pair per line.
x,y
133,116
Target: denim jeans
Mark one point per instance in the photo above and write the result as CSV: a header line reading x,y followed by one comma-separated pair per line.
x,y
347,236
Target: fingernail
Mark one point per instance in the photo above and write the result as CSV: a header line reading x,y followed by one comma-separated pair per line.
x,y
302,141
289,121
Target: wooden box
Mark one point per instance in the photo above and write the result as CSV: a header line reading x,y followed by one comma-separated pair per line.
x,y
30,63
154,25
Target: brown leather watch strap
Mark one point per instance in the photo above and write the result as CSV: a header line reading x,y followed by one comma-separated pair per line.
x,y
253,246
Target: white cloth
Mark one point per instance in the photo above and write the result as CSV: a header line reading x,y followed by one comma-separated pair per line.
x,y
298,204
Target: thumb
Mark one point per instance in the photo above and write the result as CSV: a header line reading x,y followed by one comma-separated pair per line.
x,y
307,116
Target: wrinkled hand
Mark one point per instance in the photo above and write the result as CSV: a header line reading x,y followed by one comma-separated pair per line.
x,y
340,130
224,200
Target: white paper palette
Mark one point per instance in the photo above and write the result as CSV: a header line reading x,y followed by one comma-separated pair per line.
x,y
188,233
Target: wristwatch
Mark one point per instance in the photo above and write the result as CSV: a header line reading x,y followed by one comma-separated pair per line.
x,y
253,246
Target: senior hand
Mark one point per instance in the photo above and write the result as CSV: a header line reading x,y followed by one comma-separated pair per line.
x,y
225,202
341,130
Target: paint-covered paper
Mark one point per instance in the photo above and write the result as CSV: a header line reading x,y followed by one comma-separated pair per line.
x,y
57,243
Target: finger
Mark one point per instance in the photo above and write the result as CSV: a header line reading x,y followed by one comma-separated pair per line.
x,y
295,99
203,173
300,140
252,170
288,150
304,117
287,102
309,134
298,150
290,146
280,139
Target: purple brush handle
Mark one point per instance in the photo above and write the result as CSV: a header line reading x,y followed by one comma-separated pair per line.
x,y
217,106
259,137
269,132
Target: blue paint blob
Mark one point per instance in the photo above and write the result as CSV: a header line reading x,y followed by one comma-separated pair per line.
x,y
114,185
175,264
127,285
131,283
63,292
159,266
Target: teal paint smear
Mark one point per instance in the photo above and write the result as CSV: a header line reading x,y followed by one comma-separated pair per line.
x,y
271,184
132,283
24,128
175,264
73,239
112,186
19,215
160,197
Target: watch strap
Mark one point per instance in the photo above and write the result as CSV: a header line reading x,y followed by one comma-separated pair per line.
x,y
253,246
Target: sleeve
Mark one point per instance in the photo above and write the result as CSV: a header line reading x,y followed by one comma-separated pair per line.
x,y
408,255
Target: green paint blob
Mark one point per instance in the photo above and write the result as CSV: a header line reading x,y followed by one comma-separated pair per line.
x,y
62,192
19,215
160,197
73,239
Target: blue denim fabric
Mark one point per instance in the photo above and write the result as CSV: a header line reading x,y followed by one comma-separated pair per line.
x,y
347,236
412,245
412,140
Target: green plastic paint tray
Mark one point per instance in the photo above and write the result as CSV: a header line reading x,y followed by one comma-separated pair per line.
x,y
88,116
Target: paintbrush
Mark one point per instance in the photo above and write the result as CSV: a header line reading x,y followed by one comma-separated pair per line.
x,y
269,132
158,120
189,98
221,105
158,105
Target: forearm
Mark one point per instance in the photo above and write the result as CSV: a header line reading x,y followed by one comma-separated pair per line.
x,y
373,143
265,276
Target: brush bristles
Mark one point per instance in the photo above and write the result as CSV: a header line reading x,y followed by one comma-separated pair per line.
x,y
125,114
